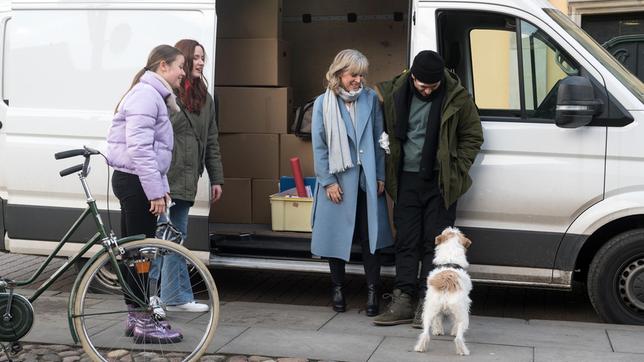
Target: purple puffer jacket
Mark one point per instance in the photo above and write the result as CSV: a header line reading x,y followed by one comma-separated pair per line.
x,y
140,138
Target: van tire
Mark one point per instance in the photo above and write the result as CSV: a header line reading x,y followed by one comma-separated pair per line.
x,y
616,279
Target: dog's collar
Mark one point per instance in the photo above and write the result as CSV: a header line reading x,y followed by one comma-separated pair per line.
x,y
449,265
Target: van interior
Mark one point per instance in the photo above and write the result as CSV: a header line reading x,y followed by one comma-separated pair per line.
x,y
310,34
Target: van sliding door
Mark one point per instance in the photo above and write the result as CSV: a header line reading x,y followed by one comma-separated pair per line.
x,y
532,178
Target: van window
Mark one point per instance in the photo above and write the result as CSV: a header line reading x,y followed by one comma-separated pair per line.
x,y
543,67
616,68
495,74
511,67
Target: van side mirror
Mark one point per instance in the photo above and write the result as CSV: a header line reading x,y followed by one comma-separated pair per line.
x,y
576,102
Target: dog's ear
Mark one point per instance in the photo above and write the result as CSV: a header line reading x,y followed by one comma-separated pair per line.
x,y
440,238
465,241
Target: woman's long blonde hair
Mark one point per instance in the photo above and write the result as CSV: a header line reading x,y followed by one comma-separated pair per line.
x,y
347,60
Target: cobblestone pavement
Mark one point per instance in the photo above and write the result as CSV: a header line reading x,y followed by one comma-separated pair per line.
x,y
63,353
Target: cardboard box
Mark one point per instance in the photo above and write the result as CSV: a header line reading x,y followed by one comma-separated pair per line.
x,y
235,204
249,18
262,189
290,213
250,155
292,146
254,109
254,62
383,43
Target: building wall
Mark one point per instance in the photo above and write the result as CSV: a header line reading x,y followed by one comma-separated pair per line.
x,y
561,5
577,8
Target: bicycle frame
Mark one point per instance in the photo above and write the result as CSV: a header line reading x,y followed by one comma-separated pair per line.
x,y
108,241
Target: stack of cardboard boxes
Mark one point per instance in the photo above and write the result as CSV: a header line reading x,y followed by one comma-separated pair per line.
x,y
269,60
255,109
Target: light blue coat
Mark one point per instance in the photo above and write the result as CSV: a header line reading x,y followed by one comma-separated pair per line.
x,y
333,224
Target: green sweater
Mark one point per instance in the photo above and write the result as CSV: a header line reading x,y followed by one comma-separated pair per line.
x,y
416,131
191,154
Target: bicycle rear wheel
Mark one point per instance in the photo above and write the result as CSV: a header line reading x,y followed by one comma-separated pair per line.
x,y
109,331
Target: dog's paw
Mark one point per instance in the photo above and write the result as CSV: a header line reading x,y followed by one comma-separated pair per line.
x,y
461,348
422,344
437,332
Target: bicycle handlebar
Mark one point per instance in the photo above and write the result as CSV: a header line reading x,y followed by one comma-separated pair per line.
x,y
71,170
69,153
85,152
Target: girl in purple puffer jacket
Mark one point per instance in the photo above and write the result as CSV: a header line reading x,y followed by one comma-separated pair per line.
x,y
139,149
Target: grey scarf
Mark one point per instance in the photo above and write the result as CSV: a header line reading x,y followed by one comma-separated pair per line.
x,y
336,132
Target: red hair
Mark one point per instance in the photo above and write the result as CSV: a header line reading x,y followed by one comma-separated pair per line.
x,y
193,91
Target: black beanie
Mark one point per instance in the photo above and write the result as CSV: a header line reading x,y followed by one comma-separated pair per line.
x,y
428,67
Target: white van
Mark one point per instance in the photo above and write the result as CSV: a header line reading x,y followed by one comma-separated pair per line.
x,y
558,192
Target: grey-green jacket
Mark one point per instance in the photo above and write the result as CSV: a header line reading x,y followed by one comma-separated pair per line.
x,y
191,153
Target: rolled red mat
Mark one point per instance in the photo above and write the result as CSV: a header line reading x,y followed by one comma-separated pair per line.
x,y
297,177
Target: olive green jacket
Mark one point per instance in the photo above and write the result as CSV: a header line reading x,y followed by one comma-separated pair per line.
x,y
191,154
460,137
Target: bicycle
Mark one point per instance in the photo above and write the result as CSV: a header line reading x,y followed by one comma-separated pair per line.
x,y
97,314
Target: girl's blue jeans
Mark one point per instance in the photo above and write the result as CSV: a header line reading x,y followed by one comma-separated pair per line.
x,y
175,280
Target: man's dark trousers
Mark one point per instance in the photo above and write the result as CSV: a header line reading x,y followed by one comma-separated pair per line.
x,y
419,216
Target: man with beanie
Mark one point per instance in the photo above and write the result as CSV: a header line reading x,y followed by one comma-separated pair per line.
x,y
435,134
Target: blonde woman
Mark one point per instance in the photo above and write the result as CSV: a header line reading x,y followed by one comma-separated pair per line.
x,y
349,201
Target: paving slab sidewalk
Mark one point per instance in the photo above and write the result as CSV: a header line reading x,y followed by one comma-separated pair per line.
x,y
315,332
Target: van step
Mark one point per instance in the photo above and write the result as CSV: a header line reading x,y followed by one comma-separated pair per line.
x,y
486,274
259,241
278,264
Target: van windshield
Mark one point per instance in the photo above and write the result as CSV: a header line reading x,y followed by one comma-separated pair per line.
x,y
616,68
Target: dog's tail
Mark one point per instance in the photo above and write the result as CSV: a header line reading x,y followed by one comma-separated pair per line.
x,y
445,281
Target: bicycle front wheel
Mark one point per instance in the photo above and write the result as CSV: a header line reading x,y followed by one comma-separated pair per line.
x,y
169,308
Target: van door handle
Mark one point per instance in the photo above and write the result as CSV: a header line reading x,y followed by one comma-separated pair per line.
x,y
0,124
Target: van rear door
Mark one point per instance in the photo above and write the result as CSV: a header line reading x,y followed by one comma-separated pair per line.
x,y
5,15
68,64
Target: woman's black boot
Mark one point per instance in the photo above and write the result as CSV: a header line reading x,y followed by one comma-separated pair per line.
x,y
339,304
373,300
337,280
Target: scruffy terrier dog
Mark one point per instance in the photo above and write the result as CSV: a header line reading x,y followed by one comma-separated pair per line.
x,y
448,288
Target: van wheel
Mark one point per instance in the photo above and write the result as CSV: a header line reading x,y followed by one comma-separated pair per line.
x,y
616,279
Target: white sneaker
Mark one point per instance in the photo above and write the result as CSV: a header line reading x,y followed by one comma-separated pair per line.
x,y
157,309
188,307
